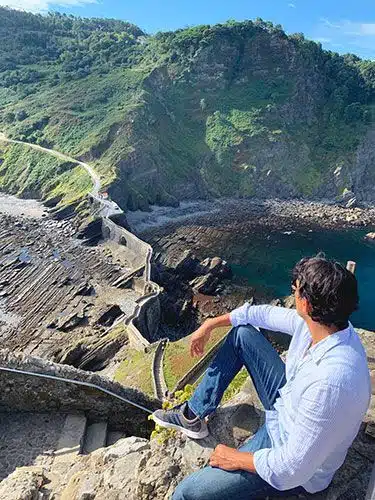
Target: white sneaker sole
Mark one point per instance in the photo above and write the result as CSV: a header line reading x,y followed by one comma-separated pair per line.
x,y
191,434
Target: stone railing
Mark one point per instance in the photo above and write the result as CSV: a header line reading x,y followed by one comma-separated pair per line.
x,y
143,323
158,381
34,384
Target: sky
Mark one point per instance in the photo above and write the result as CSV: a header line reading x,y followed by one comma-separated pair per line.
x,y
340,25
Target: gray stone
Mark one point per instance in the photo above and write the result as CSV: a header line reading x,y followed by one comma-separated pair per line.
x,y
23,484
71,438
114,436
370,237
36,394
124,447
351,203
95,437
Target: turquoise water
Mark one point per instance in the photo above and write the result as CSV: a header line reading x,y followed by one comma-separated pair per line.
x,y
266,262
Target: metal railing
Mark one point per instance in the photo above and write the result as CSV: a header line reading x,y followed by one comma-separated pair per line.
x,y
77,382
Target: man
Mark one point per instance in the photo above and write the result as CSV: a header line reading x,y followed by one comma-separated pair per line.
x,y
314,404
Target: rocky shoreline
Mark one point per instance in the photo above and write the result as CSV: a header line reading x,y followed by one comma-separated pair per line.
x,y
272,213
181,243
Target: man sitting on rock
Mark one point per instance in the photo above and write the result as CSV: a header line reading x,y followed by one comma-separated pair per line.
x,y
314,404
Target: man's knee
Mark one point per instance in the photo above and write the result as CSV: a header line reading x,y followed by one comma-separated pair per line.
x,y
245,334
186,491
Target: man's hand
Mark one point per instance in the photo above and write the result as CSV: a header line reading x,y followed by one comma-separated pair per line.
x,y
199,340
201,336
230,459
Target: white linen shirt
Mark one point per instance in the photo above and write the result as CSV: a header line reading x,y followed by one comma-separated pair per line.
x,y
321,406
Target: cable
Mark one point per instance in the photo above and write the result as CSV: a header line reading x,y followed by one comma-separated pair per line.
x,y
77,382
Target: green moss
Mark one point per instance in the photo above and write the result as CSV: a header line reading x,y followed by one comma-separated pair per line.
x,y
177,359
235,386
135,371
118,331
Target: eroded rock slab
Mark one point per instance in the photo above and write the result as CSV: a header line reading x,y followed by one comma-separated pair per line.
x,y
57,296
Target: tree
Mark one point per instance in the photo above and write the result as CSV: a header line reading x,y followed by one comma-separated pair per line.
x,y
353,112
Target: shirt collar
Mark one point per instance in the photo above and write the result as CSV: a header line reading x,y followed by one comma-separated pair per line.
x,y
319,350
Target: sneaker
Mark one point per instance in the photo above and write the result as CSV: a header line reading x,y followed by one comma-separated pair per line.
x,y
175,419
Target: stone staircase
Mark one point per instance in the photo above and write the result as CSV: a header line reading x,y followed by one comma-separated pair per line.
x,y
44,439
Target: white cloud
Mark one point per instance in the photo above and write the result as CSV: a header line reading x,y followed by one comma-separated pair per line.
x,y
367,29
347,36
42,5
292,5
329,24
323,39
350,27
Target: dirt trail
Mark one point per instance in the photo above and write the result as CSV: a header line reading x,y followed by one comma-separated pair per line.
x,y
94,176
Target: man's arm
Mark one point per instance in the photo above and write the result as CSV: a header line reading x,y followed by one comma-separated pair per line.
x,y
273,318
201,336
279,319
319,427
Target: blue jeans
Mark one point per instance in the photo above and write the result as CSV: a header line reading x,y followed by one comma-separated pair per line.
x,y
244,346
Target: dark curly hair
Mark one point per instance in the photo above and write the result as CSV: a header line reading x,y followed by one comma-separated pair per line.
x,y
330,289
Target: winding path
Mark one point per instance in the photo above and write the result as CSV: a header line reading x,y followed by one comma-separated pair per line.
x,y
94,176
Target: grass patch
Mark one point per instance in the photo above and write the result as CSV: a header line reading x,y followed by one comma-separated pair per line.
x,y
27,173
235,386
135,371
177,359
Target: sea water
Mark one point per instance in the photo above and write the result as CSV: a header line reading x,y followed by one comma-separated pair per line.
x,y
266,261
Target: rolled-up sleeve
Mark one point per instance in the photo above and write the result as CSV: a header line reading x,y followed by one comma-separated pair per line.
x,y
269,317
319,427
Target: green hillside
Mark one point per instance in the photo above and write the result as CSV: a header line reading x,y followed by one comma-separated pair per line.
x,y
236,109
33,174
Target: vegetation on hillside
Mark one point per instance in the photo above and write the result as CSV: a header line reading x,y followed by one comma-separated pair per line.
x,y
237,109
33,174
135,371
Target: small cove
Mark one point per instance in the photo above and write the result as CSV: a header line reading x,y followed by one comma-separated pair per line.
x,y
266,262
263,240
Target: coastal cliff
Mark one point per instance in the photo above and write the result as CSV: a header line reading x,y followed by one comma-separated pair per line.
x,y
239,109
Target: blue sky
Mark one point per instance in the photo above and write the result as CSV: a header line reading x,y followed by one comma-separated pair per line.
x,y
342,26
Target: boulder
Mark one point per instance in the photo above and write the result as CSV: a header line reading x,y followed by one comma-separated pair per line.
x,y
215,266
370,237
211,272
23,484
347,195
184,263
205,284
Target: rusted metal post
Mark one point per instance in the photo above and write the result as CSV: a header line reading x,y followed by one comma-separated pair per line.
x,y
351,265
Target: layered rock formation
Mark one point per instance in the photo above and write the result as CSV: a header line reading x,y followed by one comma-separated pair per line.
x,y
58,297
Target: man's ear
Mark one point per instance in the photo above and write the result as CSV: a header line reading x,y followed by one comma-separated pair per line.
x,y
307,306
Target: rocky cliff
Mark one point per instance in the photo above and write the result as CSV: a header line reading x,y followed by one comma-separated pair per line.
x,y
238,109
